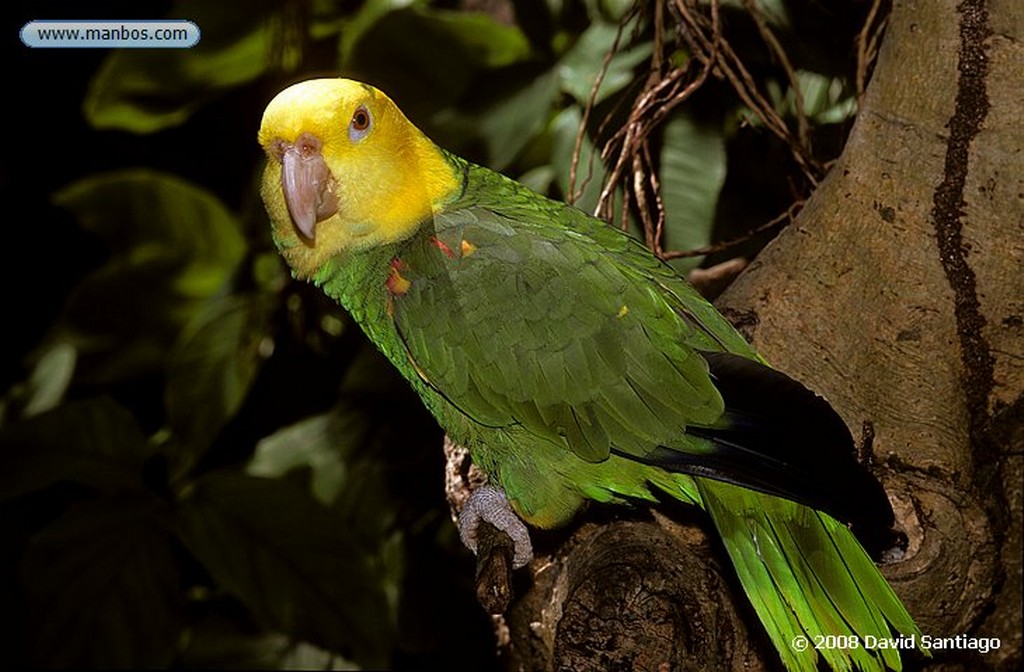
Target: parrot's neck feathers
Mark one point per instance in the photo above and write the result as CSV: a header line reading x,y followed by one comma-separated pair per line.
x,y
433,173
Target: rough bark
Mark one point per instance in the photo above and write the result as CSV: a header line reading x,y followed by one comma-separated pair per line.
x,y
898,294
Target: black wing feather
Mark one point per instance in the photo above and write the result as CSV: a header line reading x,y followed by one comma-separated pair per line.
x,y
780,438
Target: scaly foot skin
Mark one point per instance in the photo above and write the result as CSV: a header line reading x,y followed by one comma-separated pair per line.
x,y
489,503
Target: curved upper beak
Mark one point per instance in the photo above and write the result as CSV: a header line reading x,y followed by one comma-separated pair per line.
x,y
307,183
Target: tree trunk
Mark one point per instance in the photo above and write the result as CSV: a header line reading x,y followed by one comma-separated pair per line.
x,y
898,294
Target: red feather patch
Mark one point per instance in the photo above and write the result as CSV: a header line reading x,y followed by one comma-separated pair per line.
x,y
396,283
440,244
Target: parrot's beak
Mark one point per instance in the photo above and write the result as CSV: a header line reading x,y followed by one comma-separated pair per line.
x,y
307,183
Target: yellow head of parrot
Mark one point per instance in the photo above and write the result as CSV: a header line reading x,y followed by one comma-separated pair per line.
x,y
345,170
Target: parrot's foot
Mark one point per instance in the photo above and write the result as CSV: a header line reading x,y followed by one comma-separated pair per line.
x,y
489,504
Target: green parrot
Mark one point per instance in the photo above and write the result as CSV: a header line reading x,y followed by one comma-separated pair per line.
x,y
574,365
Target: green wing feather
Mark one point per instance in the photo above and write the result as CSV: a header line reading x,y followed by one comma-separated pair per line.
x,y
554,328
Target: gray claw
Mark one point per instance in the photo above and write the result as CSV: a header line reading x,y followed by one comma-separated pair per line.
x,y
490,504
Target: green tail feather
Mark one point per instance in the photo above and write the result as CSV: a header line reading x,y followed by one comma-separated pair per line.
x,y
807,576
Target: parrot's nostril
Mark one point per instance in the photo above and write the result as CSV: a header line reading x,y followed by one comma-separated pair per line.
x,y
277,149
308,145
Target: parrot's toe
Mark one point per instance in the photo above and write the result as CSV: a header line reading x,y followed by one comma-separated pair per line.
x,y
489,504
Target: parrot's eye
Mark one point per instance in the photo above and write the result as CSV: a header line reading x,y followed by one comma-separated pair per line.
x,y
360,124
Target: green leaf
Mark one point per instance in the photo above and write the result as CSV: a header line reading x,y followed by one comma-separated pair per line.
x,y
341,457
212,367
50,378
325,18
775,12
291,562
95,442
217,646
491,44
826,100
321,444
590,171
693,164
579,68
172,246
219,642
505,126
423,54
147,90
305,656
369,13
538,179
103,588
614,10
